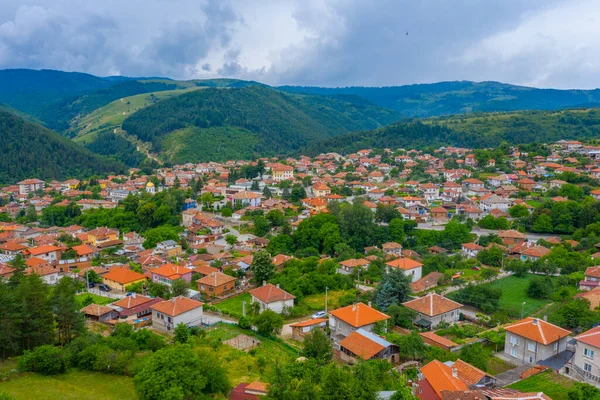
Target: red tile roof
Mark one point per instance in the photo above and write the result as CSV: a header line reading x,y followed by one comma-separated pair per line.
x,y
360,345
440,377
404,263
432,304
538,330
270,293
591,337
176,306
359,315
122,275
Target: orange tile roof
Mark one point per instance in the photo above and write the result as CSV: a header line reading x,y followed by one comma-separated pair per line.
x,y
438,339
171,271
96,310
439,376
132,301
216,279
432,304
309,322
591,337
43,249
538,330
404,263
359,315
176,306
122,275
270,293
467,373
361,345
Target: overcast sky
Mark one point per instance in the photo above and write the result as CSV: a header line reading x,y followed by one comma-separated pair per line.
x,y
542,43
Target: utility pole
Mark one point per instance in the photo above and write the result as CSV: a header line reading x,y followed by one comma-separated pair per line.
x,y
522,309
326,288
87,280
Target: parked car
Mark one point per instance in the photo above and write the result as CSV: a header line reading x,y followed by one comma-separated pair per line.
x,y
104,288
319,314
91,285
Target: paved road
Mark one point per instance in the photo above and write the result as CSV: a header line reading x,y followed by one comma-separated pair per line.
x,y
532,237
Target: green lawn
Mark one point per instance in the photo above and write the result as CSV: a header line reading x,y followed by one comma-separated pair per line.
x,y
514,293
316,302
257,364
80,385
97,299
233,305
552,384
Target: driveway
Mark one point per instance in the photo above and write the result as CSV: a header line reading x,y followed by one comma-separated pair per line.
x,y
511,376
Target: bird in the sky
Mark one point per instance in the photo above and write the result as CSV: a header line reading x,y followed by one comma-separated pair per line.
x,y
406,33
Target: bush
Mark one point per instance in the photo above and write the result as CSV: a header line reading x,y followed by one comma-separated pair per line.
x,y
46,360
245,323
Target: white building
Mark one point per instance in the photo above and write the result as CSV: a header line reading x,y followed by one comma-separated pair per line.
x,y
272,297
167,314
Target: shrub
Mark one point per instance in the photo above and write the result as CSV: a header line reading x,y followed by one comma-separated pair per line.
x,y
46,360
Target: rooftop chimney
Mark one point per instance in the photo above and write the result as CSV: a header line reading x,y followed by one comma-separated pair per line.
x,y
535,321
455,372
545,318
278,286
369,304
264,283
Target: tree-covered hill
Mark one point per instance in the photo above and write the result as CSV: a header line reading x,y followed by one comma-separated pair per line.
x,y
30,150
219,124
445,98
477,131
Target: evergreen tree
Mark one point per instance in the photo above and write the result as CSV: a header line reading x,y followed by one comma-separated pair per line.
x,y
262,267
10,320
69,321
35,308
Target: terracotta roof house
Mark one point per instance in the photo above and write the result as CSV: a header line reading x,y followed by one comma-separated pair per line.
x,y
534,253
135,305
167,314
347,266
368,346
168,273
511,237
100,313
432,309
432,339
216,284
410,267
303,328
591,280
119,278
531,340
442,378
427,282
271,297
346,320
587,350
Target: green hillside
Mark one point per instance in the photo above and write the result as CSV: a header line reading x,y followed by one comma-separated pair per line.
x,y
217,124
446,98
30,150
477,131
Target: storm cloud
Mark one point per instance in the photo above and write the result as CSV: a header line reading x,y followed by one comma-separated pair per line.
x,y
543,43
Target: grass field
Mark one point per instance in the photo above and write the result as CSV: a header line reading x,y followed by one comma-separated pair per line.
x,y
97,299
514,293
257,364
233,305
80,385
553,385
316,302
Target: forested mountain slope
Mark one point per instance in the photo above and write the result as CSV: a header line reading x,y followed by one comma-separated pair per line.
x,y
445,98
219,124
481,130
30,150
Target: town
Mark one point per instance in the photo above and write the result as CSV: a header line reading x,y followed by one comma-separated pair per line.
x,y
456,273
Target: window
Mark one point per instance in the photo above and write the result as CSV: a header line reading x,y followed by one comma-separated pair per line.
x,y
514,340
531,347
531,359
339,325
588,353
210,289
587,367
513,352
555,347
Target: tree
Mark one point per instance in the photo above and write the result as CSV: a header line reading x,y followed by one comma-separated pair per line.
x,y
394,288
179,287
298,193
275,218
317,345
540,287
10,320
261,226
411,346
176,373
543,224
475,356
231,240
583,391
35,307
268,323
262,267
69,321
401,316
518,211
396,228
492,256
182,333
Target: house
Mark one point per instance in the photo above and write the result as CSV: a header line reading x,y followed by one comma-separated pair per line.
x,y
438,378
6,272
432,309
103,237
534,253
439,214
119,278
167,314
427,282
303,328
392,248
348,266
168,273
470,250
432,339
169,247
48,273
584,363
281,172
409,266
345,320
368,346
271,297
531,340
135,306
320,189
455,377
99,313
495,202
245,199
511,237
189,204
49,253
591,279
30,185
216,284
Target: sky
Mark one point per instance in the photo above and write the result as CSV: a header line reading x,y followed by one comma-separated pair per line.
x,y
541,43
